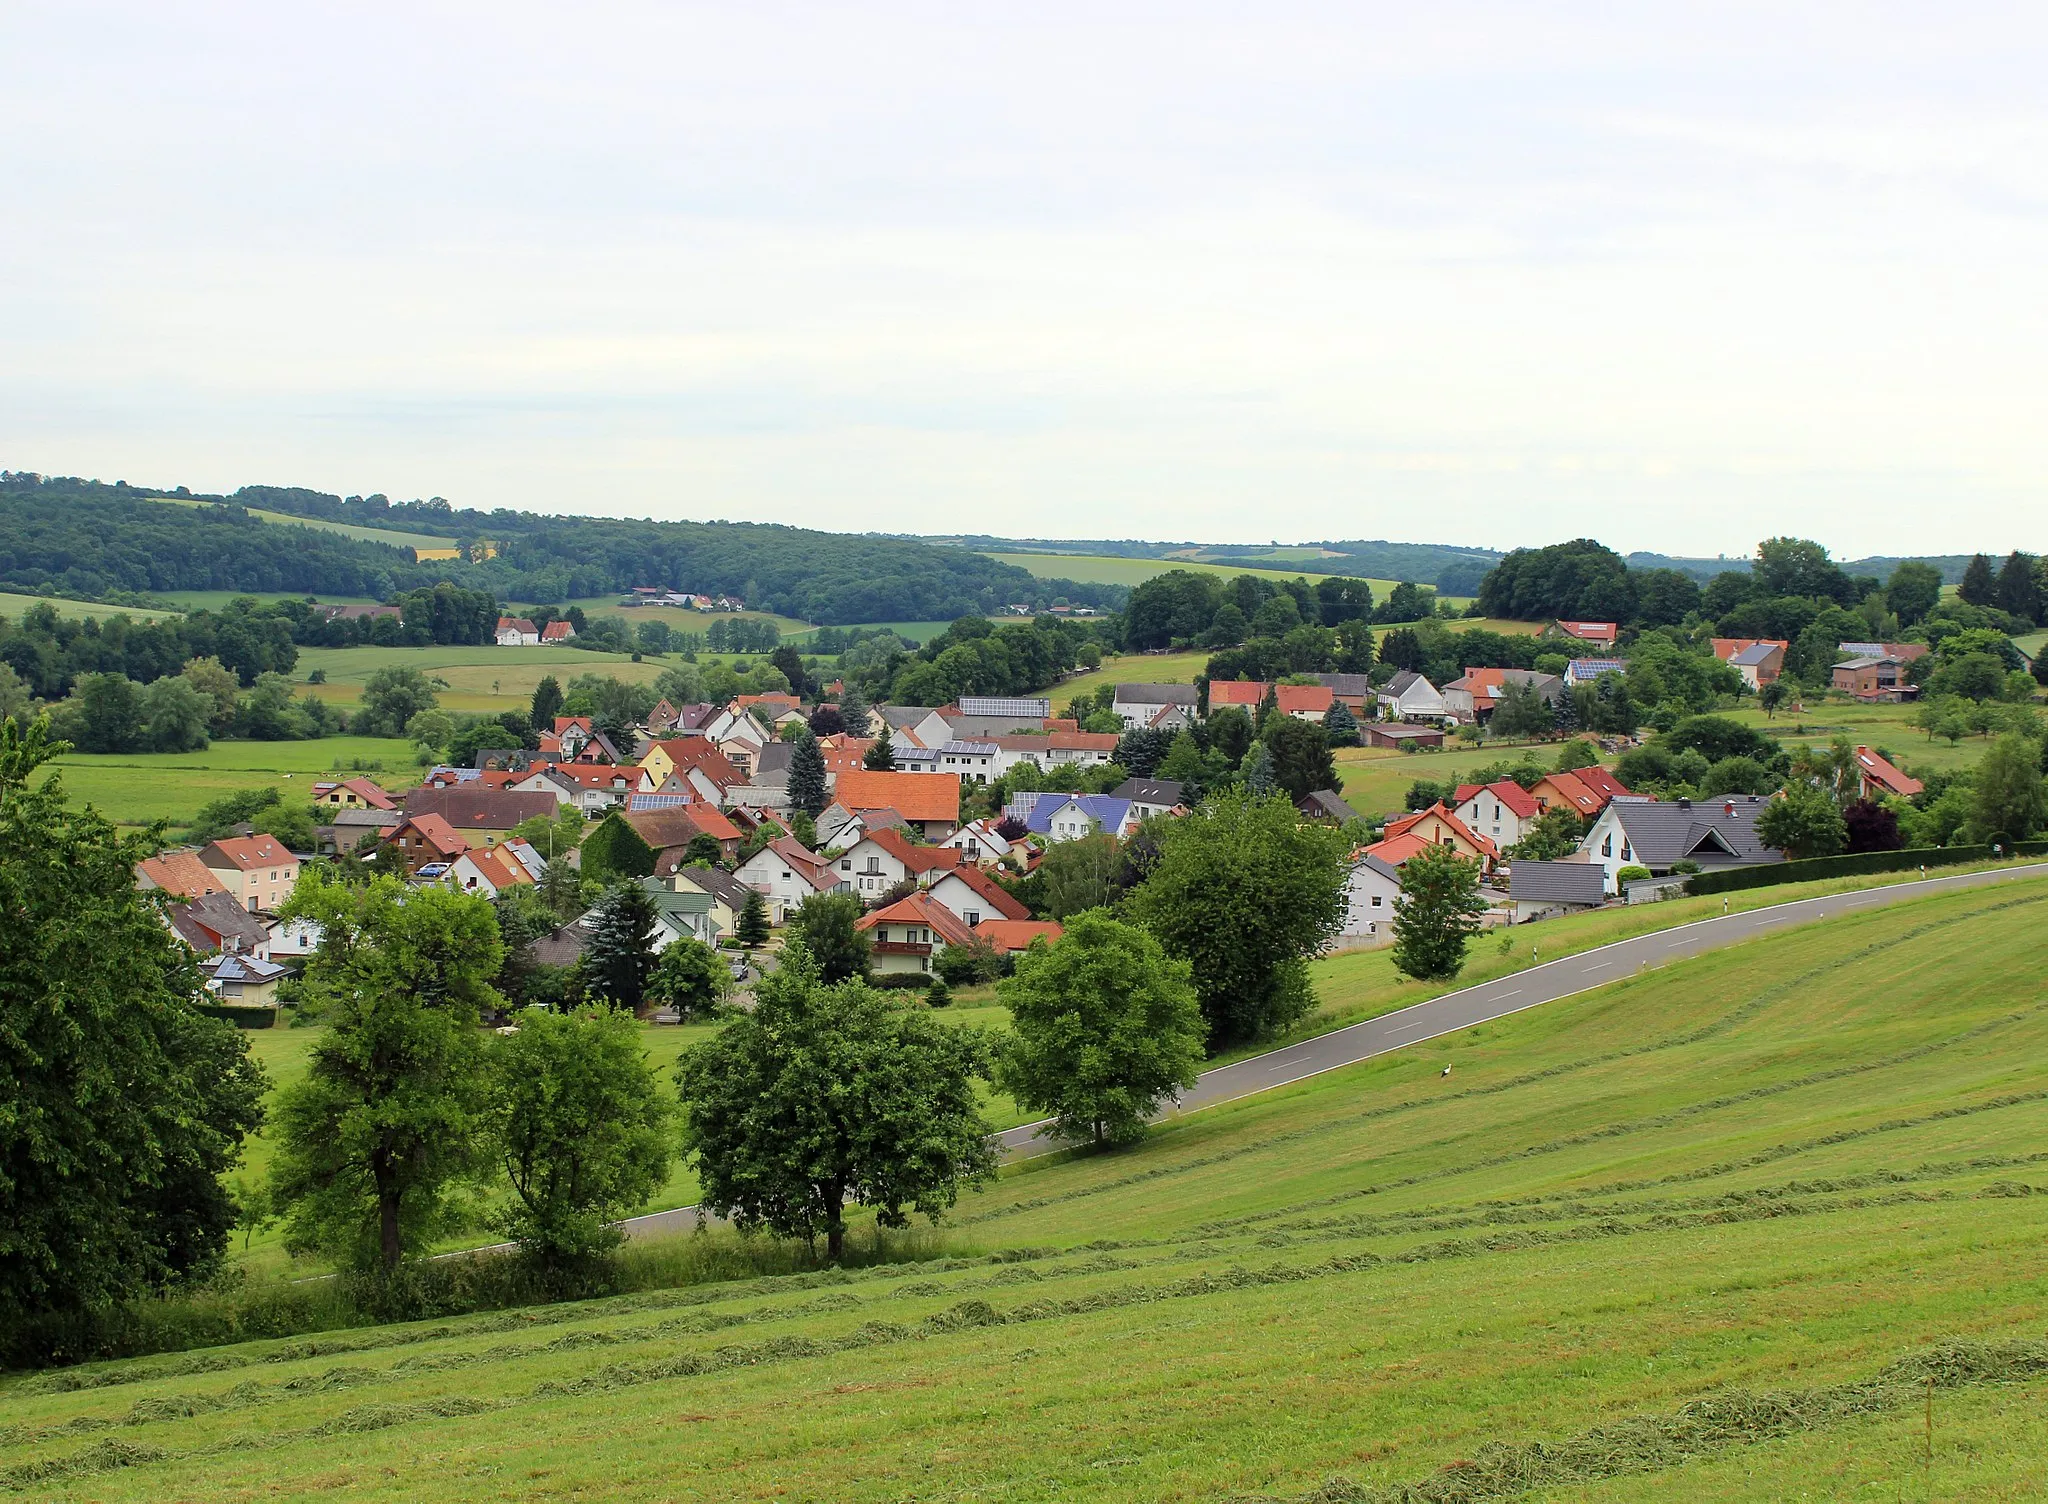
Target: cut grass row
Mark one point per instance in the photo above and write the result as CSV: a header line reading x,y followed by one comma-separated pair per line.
x,y
1782,1167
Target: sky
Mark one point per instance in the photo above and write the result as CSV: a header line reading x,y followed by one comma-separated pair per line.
x,y
1678,277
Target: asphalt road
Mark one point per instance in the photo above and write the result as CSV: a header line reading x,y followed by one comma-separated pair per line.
x,y
1471,1006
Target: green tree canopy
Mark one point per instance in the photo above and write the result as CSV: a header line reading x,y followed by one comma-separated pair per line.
x,y
1301,756
614,850
391,698
689,977
1437,913
807,776
2007,801
750,925
828,1095
618,957
1805,822
827,926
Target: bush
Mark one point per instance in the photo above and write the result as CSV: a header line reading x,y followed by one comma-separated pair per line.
x,y
938,995
1817,868
1631,874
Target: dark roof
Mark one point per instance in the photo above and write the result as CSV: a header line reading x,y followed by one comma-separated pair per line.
x,y
471,808
1155,694
1352,685
1151,791
1713,832
1557,882
562,947
1004,706
198,920
722,885
1400,682
1327,804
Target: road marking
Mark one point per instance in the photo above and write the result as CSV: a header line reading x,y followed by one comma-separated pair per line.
x,y
1420,1023
1601,967
1512,992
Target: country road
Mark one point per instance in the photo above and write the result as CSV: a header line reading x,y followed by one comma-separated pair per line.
x,y
1470,1006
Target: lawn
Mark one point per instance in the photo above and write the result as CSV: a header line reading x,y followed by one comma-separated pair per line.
x,y
136,788
1790,1167
1131,668
1886,726
1376,779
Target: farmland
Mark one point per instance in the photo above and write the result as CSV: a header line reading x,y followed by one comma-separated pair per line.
x,y
387,536
136,788
482,678
12,605
1789,1167
1106,569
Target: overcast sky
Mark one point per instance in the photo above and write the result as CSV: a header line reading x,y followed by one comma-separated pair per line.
x,y
1679,278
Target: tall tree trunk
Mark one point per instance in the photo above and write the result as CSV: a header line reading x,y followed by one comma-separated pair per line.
x,y
387,1211
835,1225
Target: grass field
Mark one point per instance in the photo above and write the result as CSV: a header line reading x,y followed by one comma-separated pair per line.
x,y
1375,779
136,788
12,606
1887,726
483,678
675,616
346,529
1107,569
1787,1169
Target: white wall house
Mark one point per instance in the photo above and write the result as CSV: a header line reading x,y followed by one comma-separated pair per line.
x,y
1369,894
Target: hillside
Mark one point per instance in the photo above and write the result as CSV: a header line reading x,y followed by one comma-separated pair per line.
x,y
1698,1233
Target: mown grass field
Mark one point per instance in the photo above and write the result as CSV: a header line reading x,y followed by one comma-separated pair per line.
x,y
1375,779
1131,668
480,678
1791,1168
12,606
347,529
675,616
136,788
1887,726
1108,569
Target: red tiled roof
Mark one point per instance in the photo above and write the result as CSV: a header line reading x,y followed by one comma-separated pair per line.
x,y
435,831
1510,793
249,852
1879,770
1408,822
1057,741
1568,787
914,796
1602,783
1245,692
703,753
989,889
923,909
1295,698
180,873
1603,632
915,858
1727,647
1017,934
557,631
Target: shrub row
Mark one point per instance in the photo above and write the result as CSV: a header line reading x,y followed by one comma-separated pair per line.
x,y
1815,869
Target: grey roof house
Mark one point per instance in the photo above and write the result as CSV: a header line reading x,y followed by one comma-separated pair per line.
x,y
1540,890
1715,833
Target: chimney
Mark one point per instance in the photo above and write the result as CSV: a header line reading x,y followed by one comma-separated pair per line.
x,y
1685,804
1728,809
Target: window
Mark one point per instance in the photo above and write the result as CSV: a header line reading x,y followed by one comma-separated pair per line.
x,y
1377,900
973,917
846,864
1607,847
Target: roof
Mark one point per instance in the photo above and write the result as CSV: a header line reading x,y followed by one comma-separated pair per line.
x,y
471,808
1870,661
1396,849
1880,771
500,867
703,754
378,819
1403,681
805,862
1602,632
1408,822
998,705
1584,801
516,624
922,909
179,872
1557,882
1757,654
679,825
234,966
211,918
557,631
988,890
560,947
915,796
1292,699
1725,648
370,793
1061,741
1508,792
1245,692
1709,831
437,833
1104,809
1155,694
1327,804
247,853
914,857
1017,934
1602,782
722,885
1581,669
1372,862
1164,791
1350,686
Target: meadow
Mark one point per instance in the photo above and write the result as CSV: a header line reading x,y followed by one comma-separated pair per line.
x,y
480,678
137,788
12,606
388,536
1108,569
1723,1230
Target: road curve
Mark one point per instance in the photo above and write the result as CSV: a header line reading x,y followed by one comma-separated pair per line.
x,y
1470,1006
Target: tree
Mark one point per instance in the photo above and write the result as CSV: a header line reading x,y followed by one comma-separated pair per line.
x,y
825,1095
1772,698
1522,711
1075,876
1577,753
431,731
2017,593
124,1105
221,688
689,978
1108,1026
580,1128
1554,836
391,698
1301,757
109,716
791,663
1979,586
2006,799
1437,913
703,851
384,1121
1804,822
1246,892
854,714
1230,733
1871,827
615,850
1260,778
1341,726
1737,775
827,721
750,928
881,757
807,776
618,956
825,925
175,715
547,703
1913,590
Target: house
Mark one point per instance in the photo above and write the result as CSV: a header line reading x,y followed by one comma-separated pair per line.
x,y
681,914
928,801
1475,694
1584,791
1245,694
257,870
1905,652
1305,702
426,840
786,872
352,793
1587,670
294,939
975,896
1006,935
1370,890
727,893
352,828
1599,634
591,788
1152,796
178,873
575,739
1398,734
1877,778
839,828
1353,691
1760,660
1326,804
911,933
1503,812
1436,826
1069,817
1874,678
1154,705
1543,890
517,632
496,870
978,841
919,724
665,826
1715,833
1410,697
214,922
880,859
1054,749
975,762
483,816
557,631
241,981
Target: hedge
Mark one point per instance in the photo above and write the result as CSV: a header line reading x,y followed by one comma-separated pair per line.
x,y
1815,869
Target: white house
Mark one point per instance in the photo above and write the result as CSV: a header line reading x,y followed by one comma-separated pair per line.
x,y
1055,749
1657,835
517,632
924,726
974,761
1152,796
974,896
1410,697
786,872
1369,894
1159,706
1503,812
979,842
880,859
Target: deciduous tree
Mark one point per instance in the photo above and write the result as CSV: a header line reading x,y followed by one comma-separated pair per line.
x,y
826,925
1436,914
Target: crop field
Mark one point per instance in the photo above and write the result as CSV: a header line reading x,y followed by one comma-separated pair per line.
x,y
136,788
1724,1230
480,678
1132,668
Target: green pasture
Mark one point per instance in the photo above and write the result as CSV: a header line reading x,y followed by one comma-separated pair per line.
x,y
1131,668
347,529
12,606
676,617
1375,779
137,788
1107,569
475,678
1891,727
1787,1169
